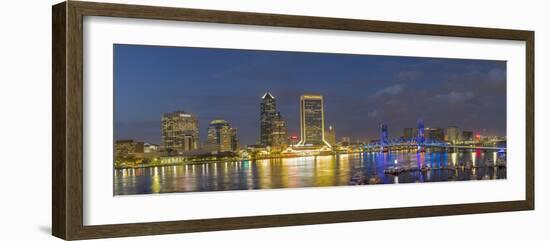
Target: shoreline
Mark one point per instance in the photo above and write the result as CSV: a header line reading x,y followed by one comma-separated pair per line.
x,y
240,159
222,160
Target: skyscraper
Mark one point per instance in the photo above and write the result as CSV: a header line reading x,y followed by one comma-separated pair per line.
x,y
221,137
279,138
268,112
452,134
234,140
435,134
180,131
312,121
330,135
384,134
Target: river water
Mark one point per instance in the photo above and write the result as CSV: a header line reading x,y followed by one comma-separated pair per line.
x,y
339,170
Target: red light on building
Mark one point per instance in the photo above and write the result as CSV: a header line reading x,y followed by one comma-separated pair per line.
x,y
294,137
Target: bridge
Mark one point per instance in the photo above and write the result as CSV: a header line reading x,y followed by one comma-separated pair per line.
x,y
415,145
423,141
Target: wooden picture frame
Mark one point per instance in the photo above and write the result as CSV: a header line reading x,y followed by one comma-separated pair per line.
x,y
67,152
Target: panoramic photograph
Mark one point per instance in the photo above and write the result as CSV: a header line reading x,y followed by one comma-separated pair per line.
x,y
189,119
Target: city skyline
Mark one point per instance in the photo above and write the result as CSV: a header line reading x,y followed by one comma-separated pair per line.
x,y
176,79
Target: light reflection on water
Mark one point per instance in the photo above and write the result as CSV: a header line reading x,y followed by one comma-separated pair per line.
x,y
318,171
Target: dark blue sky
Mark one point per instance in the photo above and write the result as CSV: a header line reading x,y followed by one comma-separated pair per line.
x,y
360,91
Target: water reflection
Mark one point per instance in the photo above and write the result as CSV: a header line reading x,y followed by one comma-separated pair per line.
x,y
339,170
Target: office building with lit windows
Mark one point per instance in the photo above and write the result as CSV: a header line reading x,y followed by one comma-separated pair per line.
x,y
180,132
452,134
268,113
312,121
234,140
279,137
330,135
221,137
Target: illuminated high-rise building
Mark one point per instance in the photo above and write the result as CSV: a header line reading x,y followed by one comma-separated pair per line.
x,y
279,137
221,137
312,121
234,140
330,135
384,134
268,113
452,134
180,131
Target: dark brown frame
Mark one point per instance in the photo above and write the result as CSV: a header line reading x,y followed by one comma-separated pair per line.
x,y
67,166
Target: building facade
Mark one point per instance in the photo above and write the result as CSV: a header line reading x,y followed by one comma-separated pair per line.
x,y
180,132
312,121
452,134
268,113
279,137
467,135
221,137
330,135
435,134
234,140
438,134
149,148
384,137
128,149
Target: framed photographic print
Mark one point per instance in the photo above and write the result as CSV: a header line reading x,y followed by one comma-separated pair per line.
x,y
170,120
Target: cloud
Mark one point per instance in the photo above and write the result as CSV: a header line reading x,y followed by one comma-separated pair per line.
x,y
455,97
392,90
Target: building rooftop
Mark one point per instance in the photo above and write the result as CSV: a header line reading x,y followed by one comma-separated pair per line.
x,y
268,96
311,96
178,113
218,122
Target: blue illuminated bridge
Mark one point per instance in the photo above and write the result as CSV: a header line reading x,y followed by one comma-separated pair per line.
x,y
414,144
421,143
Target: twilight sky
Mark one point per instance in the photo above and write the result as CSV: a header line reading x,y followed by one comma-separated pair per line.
x,y
360,91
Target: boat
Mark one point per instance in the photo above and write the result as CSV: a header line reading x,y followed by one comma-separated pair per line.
x,y
393,170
